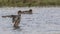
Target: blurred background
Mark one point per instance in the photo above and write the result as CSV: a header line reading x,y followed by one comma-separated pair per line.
x,y
23,3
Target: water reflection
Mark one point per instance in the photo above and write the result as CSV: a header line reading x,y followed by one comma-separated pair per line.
x,y
43,19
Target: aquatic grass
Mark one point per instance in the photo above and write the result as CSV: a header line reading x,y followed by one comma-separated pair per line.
x,y
19,3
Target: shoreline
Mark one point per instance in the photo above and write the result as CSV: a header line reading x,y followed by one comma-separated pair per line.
x,y
27,6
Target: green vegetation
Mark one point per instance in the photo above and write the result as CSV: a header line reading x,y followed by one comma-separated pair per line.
x,y
22,3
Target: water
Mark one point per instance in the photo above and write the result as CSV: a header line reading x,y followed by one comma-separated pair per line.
x,y
44,20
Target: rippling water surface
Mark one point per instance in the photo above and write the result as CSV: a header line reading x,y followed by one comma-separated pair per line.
x,y
44,20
